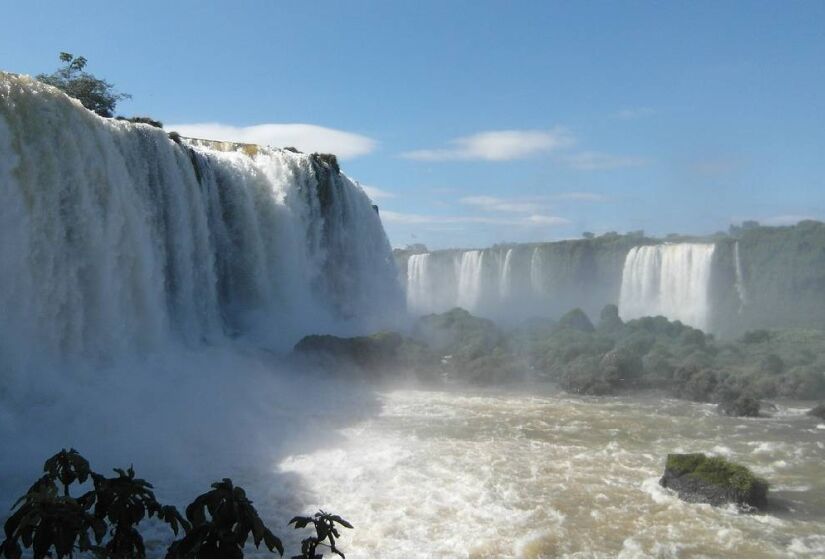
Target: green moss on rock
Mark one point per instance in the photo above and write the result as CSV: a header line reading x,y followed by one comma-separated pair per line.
x,y
699,478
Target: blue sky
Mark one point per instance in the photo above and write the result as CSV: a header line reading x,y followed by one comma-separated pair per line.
x,y
474,123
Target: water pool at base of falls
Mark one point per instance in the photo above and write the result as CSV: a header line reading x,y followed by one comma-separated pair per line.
x,y
545,474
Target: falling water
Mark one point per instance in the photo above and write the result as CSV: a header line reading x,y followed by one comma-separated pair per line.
x,y
419,289
505,282
739,283
470,279
671,280
536,272
115,240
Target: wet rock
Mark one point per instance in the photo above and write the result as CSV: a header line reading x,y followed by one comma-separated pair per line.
x,y
818,411
742,405
368,353
698,478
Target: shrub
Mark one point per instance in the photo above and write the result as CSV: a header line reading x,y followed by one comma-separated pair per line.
x,y
217,524
222,520
325,530
95,94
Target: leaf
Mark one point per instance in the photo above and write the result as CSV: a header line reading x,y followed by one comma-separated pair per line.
x,y
99,529
340,520
11,549
300,522
271,541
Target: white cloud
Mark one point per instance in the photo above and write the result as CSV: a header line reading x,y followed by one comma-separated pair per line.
x,y
589,161
541,220
582,197
634,113
306,137
493,204
498,145
525,221
375,193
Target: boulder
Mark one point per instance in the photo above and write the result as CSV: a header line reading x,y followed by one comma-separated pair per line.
x,y
368,353
818,411
698,478
743,405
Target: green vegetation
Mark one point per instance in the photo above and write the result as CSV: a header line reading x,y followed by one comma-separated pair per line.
x,y
218,523
713,480
608,358
714,470
94,93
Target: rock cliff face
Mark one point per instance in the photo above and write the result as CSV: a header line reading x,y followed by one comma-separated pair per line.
x,y
712,480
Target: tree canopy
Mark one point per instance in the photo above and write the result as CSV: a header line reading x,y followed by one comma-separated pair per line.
x,y
94,93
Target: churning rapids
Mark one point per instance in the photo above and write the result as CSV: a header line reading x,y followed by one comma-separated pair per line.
x,y
146,288
543,474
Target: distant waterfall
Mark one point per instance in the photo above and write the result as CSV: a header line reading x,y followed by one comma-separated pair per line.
x,y
740,279
115,240
506,277
419,288
671,280
470,279
536,272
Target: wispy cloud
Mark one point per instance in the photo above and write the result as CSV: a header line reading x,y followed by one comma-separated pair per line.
x,y
532,220
494,204
305,137
581,197
590,161
631,113
375,193
498,145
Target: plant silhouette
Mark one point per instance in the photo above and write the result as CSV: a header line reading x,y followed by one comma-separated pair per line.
x,y
218,524
325,530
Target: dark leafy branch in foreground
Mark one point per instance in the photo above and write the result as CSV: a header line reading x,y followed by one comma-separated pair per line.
x,y
52,523
325,530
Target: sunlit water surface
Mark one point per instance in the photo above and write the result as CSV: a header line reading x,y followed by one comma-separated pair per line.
x,y
545,474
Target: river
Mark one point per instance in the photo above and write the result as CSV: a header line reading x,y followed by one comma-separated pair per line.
x,y
540,473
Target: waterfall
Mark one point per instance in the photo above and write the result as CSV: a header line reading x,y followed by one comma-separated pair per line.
x,y
419,290
739,282
536,272
470,279
115,240
505,282
671,280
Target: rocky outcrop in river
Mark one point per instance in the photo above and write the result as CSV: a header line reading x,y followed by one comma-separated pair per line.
x,y
713,480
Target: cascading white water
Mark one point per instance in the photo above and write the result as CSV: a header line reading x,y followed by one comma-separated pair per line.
x,y
672,280
115,240
505,282
470,279
536,272
419,290
739,282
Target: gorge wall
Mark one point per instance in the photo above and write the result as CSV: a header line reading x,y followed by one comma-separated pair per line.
x,y
759,277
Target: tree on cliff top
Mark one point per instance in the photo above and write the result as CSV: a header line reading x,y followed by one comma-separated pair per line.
x,y
95,94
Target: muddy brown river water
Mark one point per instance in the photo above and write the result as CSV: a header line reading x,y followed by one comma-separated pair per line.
x,y
544,474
